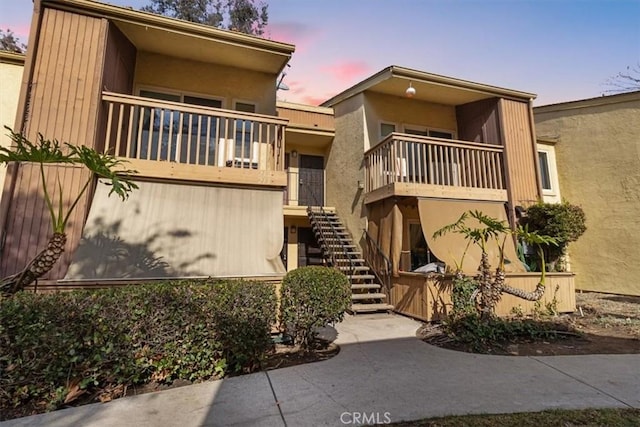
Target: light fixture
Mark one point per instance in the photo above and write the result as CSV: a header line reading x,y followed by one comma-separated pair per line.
x,y
360,185
411,91
294,154
293,229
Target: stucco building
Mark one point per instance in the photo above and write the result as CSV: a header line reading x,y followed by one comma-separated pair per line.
x,y
597,149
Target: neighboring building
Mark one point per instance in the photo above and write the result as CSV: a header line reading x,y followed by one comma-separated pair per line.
x,y
11,65
233,182
597,145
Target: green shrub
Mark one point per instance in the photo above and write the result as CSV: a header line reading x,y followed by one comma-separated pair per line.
x,y
462,296
484,335
57,346
562,221
312,297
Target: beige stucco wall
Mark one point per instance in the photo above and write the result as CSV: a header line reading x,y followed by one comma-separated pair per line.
x,y
231,84
403,111
598,159
344,165
10,78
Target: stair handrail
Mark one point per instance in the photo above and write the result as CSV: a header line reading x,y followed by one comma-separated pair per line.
x,y
383,276
334,232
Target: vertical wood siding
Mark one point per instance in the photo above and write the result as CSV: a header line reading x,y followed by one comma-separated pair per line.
x,y
29,222
478,121
67,78
519,150
306,118
63,103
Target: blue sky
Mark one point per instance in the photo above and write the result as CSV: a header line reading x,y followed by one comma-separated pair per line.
x,y
561,50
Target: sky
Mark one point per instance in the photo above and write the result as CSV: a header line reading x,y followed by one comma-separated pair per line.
x,y
561,50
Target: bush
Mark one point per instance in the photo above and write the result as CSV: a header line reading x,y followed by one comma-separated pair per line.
x,y
57,347
562,221
311,298
462,296
485,335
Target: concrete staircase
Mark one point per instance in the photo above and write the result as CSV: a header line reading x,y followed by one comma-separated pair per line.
x,y
340,252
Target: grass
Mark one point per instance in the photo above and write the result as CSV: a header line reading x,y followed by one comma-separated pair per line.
x,y
559,418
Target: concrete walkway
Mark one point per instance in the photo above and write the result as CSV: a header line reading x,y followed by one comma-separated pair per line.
x,y
383,372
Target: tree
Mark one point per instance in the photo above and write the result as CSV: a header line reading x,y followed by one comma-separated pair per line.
x,y
491,285
50,152
9,42
624,81
246,16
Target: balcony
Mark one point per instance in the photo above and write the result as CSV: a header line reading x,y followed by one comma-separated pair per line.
x,y
410,165
170,140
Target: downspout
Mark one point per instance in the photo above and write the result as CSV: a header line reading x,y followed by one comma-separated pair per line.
x,y
22,115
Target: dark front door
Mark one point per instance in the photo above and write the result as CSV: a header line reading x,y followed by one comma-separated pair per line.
x,y
309,252
311,181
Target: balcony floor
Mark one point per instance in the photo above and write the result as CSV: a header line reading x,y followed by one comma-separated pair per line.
x,y
432,190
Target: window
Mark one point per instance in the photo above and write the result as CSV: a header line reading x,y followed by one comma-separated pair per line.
x,y
440,134
161,130
420,253
545,176
386,129
244,131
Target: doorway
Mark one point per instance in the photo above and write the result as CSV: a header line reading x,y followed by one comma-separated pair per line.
x,y
311,181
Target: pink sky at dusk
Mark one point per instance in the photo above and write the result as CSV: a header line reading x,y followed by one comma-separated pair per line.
x,y
560,50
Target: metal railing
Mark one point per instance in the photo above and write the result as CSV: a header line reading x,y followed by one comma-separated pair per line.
x,y
150,129
425,160
335,237
377,261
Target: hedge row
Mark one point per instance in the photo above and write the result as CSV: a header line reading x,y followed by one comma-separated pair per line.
x,y
57,346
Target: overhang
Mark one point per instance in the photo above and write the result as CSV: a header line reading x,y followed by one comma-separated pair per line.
x,y
434,88
173,37
12,58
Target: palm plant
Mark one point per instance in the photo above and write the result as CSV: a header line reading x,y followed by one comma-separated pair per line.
x,y
491,285
44,151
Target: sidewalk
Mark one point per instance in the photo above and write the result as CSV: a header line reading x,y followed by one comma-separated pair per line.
x,y
382,371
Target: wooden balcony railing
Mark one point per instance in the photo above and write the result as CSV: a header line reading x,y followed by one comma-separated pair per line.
x,y
402,158
196,141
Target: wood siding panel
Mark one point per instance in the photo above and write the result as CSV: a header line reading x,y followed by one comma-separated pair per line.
x,y
118,75
67,80
479,121
520,153
428,298
307,118
29,222
62,103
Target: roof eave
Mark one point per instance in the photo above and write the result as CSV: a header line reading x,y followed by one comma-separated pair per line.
x,y
416,75
108,11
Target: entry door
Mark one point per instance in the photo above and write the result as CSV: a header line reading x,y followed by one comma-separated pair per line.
x,y
311,181
309,252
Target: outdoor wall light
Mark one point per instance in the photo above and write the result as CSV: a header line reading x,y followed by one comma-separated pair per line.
x,y
361,185
294,154
293,229
411,91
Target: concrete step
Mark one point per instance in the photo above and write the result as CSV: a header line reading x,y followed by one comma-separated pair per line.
x,y
354,268
368,295
370,308
365,286
359,277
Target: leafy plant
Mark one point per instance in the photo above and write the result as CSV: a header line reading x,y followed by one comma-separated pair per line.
x,y
492,231
312,297
563,221
463,295
104,341
44,151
